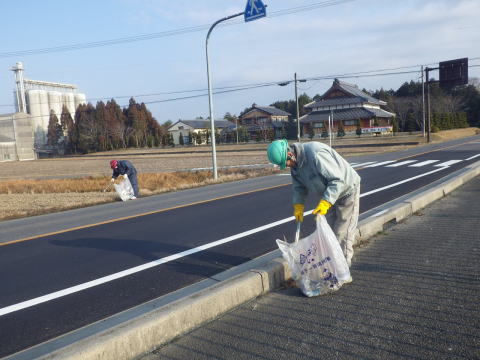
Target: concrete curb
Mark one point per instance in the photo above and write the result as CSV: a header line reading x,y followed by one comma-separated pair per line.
x,y
144,333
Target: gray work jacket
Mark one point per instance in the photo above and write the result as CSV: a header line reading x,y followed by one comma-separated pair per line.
x,y
322,172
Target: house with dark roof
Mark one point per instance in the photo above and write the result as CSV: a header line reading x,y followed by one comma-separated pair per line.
x,y
259,120
346,104
197,129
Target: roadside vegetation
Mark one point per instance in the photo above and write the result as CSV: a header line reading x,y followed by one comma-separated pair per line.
x,y
149,183
22,197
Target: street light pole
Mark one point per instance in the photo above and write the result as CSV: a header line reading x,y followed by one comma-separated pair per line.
x,y
210,98
236,127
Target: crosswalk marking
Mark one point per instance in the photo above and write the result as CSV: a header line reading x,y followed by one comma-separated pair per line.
x,y
380,163
402,163
363,164
448,163
409,163
423,163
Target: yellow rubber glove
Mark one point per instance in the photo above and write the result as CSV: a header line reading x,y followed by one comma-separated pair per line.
x,y
322,207
298,212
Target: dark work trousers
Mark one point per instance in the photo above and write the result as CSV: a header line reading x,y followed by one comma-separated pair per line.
x,y
134,182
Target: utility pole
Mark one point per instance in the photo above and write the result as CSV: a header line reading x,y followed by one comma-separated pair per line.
x,y
428,103
429,116
298,111
423,103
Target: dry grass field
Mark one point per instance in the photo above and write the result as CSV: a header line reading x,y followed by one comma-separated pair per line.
x,y
50,185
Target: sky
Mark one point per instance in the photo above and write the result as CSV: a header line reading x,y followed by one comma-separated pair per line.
x,y
154,50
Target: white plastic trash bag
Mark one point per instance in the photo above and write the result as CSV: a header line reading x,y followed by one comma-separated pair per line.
x,y
317,262
124,189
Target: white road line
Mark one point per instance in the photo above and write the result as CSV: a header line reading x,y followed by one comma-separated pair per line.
x,y
423,163
401,182
118,275
473,157
401,163
380,163
363,164
447,163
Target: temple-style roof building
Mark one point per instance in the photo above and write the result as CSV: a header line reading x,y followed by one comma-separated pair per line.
x,y
347,104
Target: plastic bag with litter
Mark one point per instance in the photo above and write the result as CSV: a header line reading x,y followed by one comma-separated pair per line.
x,y
317,262
124,189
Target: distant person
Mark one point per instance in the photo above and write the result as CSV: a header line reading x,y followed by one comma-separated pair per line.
x,y
126,169
318,169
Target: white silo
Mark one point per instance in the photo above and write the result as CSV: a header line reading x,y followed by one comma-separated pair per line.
x,y
34,108
80,99
55,102
45,110
69,101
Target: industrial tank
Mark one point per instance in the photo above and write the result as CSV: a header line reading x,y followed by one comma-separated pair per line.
x,y
80,99
35,110
45,111
55,103
69,102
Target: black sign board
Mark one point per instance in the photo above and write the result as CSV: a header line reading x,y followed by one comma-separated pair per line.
x,y
453,72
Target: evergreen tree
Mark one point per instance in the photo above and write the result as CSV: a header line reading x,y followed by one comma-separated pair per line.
x,y
86,129
67,124
101,123
410,123
54,130
116,125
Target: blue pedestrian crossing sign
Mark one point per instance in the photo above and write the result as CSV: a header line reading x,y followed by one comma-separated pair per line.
x,y
254,10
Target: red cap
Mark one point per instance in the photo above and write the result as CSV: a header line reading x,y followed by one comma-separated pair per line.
x,y
113,164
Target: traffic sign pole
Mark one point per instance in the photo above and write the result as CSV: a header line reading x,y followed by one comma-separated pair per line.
x,y
255,9
210,97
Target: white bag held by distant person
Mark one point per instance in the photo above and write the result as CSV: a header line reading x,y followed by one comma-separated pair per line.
x,y
124,189
317,262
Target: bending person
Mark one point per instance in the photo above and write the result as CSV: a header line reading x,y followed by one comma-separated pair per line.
x,y
319,170
126,169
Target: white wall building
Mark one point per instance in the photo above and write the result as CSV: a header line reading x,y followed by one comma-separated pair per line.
x,y
16,137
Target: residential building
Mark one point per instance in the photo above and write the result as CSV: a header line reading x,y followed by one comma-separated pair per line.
x,y
347,104
259,120
197,129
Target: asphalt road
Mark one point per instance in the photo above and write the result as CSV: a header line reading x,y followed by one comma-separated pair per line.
x,y
414,295
160,250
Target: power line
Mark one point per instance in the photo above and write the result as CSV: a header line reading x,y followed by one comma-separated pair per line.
x,y
162,34
235,88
